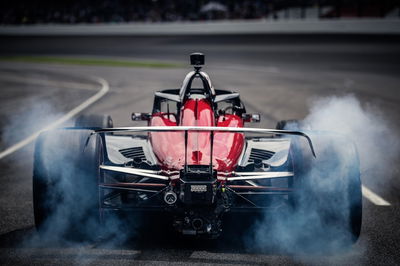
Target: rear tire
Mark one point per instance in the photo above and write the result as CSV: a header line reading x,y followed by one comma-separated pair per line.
x,y
65,182
94,120
292,124
329,187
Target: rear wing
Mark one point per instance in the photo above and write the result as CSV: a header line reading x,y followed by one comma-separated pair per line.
x,y
186,129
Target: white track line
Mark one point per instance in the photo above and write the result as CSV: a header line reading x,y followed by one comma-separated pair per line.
x,y
374,198
104,89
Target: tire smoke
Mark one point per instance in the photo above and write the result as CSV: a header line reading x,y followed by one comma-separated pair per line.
x,y
322,217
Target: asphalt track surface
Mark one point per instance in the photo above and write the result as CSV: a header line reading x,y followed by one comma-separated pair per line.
x,y
277,76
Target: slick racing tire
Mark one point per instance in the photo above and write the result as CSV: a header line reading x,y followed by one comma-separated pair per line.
x,y
94,120
65,182
327,190
288,124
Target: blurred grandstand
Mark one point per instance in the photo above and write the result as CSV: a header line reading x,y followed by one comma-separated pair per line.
x,y
122,11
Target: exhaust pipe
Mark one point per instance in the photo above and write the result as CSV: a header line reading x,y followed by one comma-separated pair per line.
x,y
170,197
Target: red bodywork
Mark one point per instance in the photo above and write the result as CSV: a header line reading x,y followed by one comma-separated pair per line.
x,y
169,147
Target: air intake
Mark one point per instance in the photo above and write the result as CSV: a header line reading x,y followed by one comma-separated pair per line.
x,y
258,155
135,153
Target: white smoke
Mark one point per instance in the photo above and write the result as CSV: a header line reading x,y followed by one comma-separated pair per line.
x,y
338,127
37,115
376,140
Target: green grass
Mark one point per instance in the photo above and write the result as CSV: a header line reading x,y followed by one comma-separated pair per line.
x,y
88,61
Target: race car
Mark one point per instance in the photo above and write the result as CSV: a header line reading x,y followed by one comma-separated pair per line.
x,y
195,162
